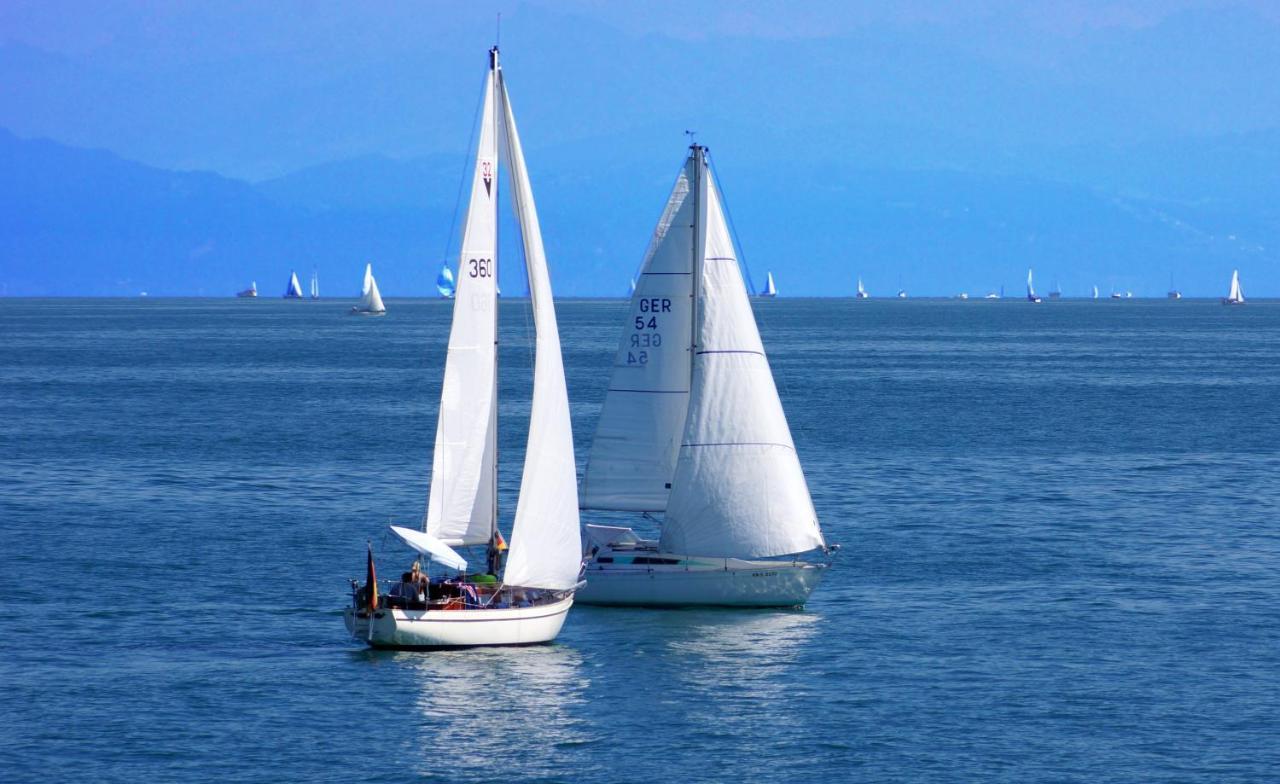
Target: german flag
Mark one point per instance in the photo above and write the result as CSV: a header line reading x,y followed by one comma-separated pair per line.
x,y
371,585
499,543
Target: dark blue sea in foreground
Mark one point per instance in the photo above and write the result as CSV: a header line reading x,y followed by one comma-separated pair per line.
x,y
1061,530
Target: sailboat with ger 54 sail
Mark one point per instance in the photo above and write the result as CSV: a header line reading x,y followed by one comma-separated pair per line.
x,y
692,426
527,601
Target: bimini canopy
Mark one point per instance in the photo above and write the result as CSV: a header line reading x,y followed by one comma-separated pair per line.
x,y
431,547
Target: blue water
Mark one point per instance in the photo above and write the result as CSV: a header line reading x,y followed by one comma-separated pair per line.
x,y
1060,526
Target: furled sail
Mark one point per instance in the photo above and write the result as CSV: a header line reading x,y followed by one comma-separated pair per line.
x,y
444,282
546,548
637,439
461,507
370,299
738,489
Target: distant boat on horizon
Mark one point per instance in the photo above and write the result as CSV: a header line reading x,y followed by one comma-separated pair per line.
x,y
370,299
1031,292
862,292
445,284
315,285
962,295
294,289
770,289
252,291
1173,290
1236,295
1095,292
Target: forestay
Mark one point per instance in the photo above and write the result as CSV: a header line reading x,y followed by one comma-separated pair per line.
x,y
461,509
738,489
637,439
546,545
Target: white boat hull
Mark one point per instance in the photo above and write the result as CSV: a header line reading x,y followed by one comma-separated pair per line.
x,y
427,629
731,583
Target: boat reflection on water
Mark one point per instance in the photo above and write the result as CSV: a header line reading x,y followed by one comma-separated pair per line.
x,y
469,700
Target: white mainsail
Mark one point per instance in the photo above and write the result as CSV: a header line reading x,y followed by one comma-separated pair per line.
x,y
546,545
1095,292
637,439
370,299
738,489
770,288
1031,292
862,292
315,285
461,509
1236,295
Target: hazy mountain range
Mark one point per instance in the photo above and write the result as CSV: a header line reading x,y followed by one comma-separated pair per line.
x,y
87,222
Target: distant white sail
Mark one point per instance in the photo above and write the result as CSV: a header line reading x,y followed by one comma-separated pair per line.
x,y
770,288
637,439
315,285
1236,295
294,289
738,490
862,292
1095,292
461,509
370,299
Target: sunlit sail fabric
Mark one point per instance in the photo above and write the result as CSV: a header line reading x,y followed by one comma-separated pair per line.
x,y
461,508
546,548
637,439
738,489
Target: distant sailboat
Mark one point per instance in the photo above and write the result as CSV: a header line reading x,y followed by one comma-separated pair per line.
x,y
1031,292
294,289
1095,291
252,291
315,285
770,289
528,600
862,292
444,282
962,295
992,295
1173,290
1236,295
692,426
370,299
902,293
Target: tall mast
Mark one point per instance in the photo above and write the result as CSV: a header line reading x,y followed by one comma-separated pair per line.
x,y
493,557
699,164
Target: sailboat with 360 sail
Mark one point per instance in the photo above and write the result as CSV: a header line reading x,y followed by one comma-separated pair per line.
x,y
527,601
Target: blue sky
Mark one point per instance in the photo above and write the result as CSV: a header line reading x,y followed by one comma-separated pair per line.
x,y
1105,96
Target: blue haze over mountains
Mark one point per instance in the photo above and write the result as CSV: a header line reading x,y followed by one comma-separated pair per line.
x,y
938,149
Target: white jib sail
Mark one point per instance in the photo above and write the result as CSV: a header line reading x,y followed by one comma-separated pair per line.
x,y
370,299
1031,292
1236,294
637,439
738,489
770,288
546,545
460,509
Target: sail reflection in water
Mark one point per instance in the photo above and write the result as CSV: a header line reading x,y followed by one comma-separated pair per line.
x,y
490,711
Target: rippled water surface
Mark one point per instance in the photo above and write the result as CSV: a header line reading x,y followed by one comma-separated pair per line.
x,y
1061,553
